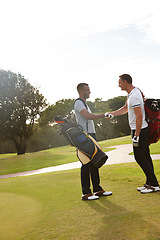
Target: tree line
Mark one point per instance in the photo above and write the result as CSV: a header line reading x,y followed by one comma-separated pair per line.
x,y
26,120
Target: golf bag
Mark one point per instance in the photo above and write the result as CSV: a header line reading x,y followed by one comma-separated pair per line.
x,y
87,148
152,110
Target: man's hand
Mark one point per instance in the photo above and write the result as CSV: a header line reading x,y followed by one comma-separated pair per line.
x,y
108,115
135,141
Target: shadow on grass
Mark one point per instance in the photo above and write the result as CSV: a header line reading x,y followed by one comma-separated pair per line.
x,y
119,223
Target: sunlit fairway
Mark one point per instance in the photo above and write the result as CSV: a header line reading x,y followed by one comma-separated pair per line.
x,y
11,163
49,206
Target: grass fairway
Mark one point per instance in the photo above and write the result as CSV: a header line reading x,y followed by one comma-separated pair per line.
x,y
10,163
31,161
49,206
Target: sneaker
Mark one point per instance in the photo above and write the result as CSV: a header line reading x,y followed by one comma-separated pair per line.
x,y
89,196
102,193
150,189
142,188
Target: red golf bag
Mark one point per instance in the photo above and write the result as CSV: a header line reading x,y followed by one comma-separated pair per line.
x,y
152,110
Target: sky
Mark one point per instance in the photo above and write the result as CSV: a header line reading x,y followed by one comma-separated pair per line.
x,y
56,44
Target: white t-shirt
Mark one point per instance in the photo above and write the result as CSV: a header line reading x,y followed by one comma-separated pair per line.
x,y
135,99
87,125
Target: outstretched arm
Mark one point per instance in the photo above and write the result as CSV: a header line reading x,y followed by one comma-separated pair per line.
x,y
91,116
121,110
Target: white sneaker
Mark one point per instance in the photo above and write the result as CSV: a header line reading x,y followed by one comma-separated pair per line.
x,y
89,196
142,188
102,193
150,189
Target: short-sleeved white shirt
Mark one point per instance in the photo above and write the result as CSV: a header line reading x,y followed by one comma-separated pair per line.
x,y
135,99
87,125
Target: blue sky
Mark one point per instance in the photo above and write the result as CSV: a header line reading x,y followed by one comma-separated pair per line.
x,y
56,44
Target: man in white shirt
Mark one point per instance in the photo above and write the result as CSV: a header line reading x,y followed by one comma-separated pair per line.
x,y
139,131
84,118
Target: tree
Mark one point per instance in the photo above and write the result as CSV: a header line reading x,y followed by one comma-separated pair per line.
x,y
104,128
45,138
20,106
62,107
122,127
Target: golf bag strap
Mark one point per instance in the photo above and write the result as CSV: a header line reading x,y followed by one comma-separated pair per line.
x,y
85,107
82,101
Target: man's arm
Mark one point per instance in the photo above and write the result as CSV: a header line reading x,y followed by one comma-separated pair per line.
x,y
91,116
138,113
121,110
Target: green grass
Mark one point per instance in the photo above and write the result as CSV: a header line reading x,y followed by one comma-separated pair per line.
x,y
154,148
49,206
2,156
115,141
41,159
11,163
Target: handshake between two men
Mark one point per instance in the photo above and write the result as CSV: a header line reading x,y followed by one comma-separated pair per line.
x,y
135,139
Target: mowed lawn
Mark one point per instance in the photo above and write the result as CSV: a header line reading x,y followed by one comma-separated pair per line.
x,y
11,163
49,206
